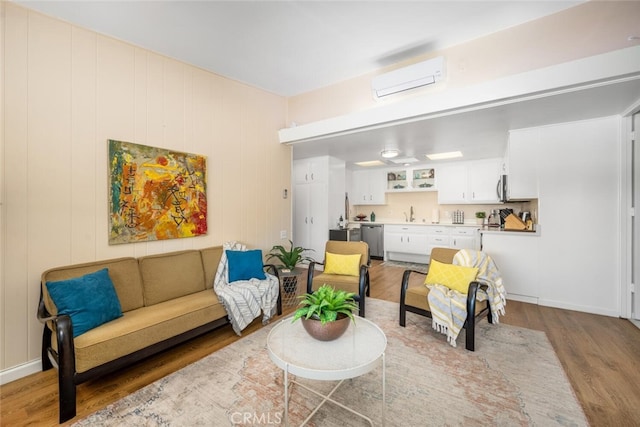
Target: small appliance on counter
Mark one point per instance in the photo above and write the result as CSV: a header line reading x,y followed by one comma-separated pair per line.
x,y
494,218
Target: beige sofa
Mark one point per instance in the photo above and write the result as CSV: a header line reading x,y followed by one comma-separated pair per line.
x,y
165,299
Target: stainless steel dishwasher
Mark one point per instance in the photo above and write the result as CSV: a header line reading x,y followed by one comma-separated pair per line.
x,y
374,236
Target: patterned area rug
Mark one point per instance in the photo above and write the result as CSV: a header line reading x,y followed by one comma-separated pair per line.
x,y
513,378
407,265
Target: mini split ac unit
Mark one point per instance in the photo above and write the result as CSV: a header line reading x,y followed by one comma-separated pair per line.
x,y
411,77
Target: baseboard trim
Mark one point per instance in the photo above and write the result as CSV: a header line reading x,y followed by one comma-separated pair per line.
x,y
20,371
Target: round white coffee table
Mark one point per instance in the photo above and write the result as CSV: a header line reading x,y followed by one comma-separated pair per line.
x,y
355,353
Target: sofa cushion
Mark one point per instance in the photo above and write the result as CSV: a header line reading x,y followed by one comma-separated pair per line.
x,y
346,265
245,265
123,272
172,275
210,261
89,300
454,277
143,327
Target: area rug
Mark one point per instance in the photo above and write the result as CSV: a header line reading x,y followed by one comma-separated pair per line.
x,y
512,379
407,265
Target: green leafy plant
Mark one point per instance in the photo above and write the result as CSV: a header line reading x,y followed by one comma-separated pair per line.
x,y
481,214
325,304
289,257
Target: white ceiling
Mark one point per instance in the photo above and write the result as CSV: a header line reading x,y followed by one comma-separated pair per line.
x,y
478,132
291,47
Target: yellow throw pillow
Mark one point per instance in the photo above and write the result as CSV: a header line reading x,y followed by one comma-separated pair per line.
x,y
452,276
346,265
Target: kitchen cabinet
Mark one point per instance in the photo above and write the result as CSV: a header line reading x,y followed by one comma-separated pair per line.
x,y
406,243
469,182
517,258
522,164
397,180
483,176
414,242
311,217
318,201
411,180
438,237
465,238
423,179
368,187
452,183
315,169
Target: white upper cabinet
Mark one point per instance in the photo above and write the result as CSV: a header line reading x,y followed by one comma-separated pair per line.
x,y
368,187
452,183
469,182
483,176
315,169
522,164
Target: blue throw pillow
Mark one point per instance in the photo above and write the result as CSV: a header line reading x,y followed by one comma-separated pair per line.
x,y
90,300
245,265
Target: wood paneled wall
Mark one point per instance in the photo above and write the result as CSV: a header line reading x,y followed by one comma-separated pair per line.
x,y
66,91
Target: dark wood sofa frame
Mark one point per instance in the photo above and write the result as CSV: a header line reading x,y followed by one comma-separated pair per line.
x,y
64,358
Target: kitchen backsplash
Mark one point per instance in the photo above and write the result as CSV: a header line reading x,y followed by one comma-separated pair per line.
x,y
398,208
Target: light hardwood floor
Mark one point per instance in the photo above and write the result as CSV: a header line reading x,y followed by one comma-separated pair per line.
x,y
601,356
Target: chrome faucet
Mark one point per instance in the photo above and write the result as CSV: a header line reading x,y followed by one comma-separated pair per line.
x,y
411,217
405,217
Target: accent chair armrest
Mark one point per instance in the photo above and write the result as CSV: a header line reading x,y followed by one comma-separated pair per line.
x,y
272,269
310,274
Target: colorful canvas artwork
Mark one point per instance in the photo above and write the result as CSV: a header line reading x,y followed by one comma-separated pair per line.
x,y
155,194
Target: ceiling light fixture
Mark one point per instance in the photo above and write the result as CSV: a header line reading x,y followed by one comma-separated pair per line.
x,y
443,156
369,163
389,153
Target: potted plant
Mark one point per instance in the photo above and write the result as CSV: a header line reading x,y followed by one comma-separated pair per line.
x,y
480,216
326,312
289,258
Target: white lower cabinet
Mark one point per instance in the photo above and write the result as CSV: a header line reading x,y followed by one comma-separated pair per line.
x,y
517,259
465,238
406,243
439,237
413,243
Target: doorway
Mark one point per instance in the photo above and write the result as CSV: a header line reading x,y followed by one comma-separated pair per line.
x,y
635,226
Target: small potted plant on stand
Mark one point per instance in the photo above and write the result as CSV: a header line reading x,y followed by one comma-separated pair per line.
x,y
326,312
480,216
289,258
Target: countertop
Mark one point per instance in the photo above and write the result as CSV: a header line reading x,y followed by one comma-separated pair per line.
x,y
391,222
483,228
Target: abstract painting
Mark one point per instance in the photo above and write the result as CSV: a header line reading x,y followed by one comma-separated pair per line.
x,y
155,194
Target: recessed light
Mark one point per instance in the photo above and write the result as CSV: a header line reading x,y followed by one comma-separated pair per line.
x,y
389,153
443,156
369,163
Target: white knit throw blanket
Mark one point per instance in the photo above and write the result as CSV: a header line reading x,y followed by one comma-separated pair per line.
x,y
245,299
449,307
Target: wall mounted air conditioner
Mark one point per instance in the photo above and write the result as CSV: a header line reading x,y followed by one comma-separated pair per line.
x,y
411,77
